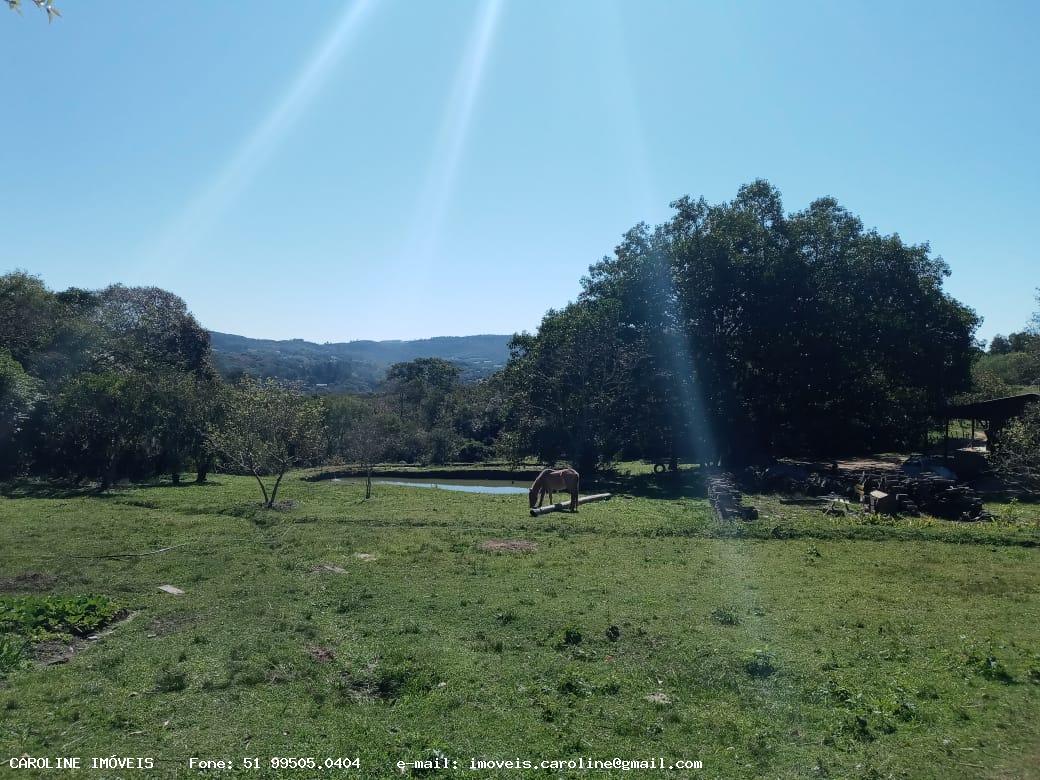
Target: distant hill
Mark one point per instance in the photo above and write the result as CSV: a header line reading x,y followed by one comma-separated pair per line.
x,y
353,366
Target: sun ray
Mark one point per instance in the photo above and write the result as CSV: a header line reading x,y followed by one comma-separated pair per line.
x,y
440,180
183,233
697,439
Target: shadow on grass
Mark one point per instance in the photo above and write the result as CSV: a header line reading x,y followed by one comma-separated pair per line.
x,y
36,488
669,485
55,488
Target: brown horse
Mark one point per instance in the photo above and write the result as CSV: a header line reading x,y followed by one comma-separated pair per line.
x,y
550,480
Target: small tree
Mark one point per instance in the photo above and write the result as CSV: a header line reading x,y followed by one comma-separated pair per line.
x,y
1017,459
369,444
363,431
268,429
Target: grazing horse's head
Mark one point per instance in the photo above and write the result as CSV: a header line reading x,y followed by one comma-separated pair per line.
x,y
536,488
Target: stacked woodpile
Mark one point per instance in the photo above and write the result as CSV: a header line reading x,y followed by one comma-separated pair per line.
x,y
904,494
727,500
884,492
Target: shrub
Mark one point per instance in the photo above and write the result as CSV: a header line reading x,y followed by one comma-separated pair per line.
x,y
1017,455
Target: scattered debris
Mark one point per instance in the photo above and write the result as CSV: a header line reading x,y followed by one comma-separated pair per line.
x,y
835,505
173,591
930,492
508,545
919,485
365,556
658,698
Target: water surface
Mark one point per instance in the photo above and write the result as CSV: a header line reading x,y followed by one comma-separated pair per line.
x,y
494,486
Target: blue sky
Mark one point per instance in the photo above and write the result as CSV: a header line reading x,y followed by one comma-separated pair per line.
x,y
391,169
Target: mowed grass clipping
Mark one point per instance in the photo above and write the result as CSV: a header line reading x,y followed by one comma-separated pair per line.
x,y
796,646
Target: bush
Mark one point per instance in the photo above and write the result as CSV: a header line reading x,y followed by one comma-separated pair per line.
x,y
1017,456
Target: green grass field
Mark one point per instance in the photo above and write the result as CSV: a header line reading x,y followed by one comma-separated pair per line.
x,y
794,646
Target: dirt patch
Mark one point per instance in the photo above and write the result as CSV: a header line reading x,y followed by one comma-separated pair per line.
x,y
51,653
360,685
658,698
322,655
365,556
323,568
54,652
169,624
282,506
34,581
508,545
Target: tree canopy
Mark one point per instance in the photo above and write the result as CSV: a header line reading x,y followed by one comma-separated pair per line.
x,y
105,385
734,330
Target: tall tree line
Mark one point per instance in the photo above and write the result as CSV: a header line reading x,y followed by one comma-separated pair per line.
x,y
730,332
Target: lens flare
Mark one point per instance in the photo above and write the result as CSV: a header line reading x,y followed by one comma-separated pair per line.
x,y
676,350
451,140
201,214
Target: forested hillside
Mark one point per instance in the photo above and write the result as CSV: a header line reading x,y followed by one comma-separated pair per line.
x,y
354,366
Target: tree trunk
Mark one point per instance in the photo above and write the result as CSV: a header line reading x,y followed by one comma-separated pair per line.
x,y
274,492
175,477
368,484
200,475
263,490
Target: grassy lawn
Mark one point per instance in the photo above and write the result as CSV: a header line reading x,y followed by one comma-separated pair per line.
x,y
795,646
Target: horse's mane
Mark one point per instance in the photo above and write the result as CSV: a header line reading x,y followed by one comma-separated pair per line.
x,y
540,476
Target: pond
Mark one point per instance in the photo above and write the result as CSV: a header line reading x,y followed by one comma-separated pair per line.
x,y
495,486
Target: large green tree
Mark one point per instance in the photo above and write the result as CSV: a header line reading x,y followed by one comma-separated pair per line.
x,y
121,378
736,330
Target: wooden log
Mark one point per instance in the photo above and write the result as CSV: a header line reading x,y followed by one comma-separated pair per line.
x,y
565,505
